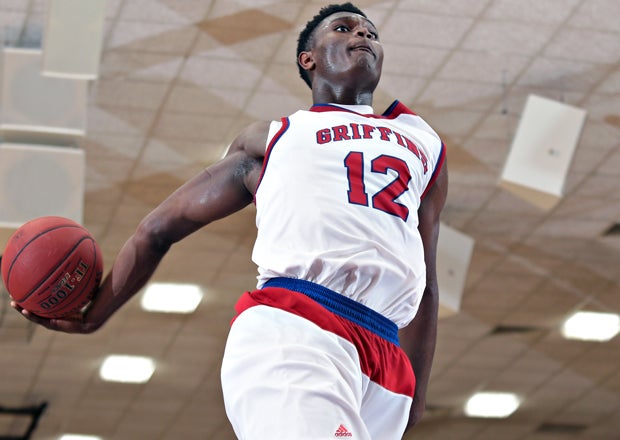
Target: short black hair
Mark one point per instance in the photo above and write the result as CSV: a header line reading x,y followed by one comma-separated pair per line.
x,y
304,42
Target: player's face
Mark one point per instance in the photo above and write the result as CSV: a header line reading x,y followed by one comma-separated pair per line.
x,y
348,44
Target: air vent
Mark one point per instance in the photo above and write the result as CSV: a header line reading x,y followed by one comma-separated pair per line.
x,y
561,428
436,411
513,329
612,231
23,421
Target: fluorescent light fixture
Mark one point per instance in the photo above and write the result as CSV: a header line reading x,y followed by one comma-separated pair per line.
x,y
171,298
591,326
128,369
78,437
491,404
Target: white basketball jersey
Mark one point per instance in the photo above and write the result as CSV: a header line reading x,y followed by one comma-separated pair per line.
x,y
338,199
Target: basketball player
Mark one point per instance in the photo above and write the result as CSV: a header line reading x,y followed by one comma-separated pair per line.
x,y
348,206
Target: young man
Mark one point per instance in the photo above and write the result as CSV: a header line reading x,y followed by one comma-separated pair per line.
x,y
348,207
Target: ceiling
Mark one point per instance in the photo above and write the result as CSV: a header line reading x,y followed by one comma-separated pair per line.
x,y
179,78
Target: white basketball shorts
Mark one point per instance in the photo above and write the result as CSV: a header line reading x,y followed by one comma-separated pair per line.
x,y
301,362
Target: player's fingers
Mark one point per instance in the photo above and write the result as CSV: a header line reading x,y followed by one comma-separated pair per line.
x,y
47,323
25,312
32,317
15,306
72,324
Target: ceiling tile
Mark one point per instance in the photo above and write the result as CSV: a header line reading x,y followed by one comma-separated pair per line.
x,y
273,106
571,227
610,165
482,66
584,45
13,5
469,8
163,38
111,145
192,127
599,186
453,93
599,135
120,121
499,37
597,14
220,73
450,122
112,8
425,29
405,88
189,98
243,25
532,11
129,94
563,74
469,197
489,153
136,65
395,53
170,154
165,11
611,84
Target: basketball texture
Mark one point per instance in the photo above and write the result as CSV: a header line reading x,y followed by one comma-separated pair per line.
x,y
52,266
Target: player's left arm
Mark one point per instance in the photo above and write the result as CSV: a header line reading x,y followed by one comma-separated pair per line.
x,y
419,337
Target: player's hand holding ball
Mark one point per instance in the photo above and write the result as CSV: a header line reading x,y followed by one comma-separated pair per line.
x,y
51,268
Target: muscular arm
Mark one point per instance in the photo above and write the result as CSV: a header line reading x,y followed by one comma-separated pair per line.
x,y
216,192
419,337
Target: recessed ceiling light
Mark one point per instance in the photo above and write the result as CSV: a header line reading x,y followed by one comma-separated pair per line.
x,y
591,326
128,369
78,437
492,404
171,298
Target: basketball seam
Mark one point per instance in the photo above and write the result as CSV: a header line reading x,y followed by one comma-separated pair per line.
x,y
44,279
23,248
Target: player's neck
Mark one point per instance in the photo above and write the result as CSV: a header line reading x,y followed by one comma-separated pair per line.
x,y
328,93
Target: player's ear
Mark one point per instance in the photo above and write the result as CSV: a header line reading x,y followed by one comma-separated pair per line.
x,y
306,60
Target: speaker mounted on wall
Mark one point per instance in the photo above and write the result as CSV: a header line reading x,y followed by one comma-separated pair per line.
x,y
454,252
542,151
37,180
32,102
73,38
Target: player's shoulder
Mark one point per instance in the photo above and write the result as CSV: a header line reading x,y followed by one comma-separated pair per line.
x,y
252,139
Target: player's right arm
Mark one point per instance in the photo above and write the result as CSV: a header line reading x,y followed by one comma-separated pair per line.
x,y
218,191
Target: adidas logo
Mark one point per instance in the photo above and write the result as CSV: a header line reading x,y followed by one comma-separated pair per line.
x,y
342,432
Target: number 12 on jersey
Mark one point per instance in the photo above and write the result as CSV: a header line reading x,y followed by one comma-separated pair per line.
x,y
385,199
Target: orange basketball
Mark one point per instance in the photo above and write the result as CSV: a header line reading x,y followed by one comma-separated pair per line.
x,y
52,266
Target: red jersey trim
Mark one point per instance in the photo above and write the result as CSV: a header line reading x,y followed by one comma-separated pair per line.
x,y
442,159
285,125
396,109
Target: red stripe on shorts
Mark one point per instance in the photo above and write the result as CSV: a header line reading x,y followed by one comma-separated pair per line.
x,y
382,361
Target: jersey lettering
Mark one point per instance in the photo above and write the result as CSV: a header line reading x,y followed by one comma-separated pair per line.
x,y
341,133
354,163
385,199
354,131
